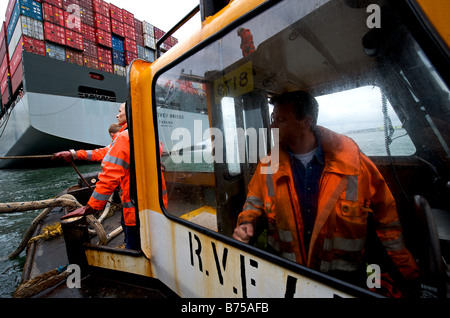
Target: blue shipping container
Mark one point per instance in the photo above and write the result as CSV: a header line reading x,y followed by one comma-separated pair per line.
x,y
117,43
118,58
29,8
55,51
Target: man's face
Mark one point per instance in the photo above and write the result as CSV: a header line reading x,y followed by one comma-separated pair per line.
x,y
290,128
121,116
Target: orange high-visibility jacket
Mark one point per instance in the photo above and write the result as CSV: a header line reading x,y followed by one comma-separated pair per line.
x,y
351,187
116,171
96,154
92,155
247,45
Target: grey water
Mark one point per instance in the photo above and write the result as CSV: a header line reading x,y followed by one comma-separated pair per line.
x,y
22,185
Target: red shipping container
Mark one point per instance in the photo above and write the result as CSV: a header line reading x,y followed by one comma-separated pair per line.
x,y
101,22
3,51
67,3
105,67
74,57
86,4
9,10
158,33
130,45
90,48
88,32
4,67
130,32
16,57
115,13
101,7
128,17
71,22
129,57
53,14
103,38
140,39
87,16
33,45
74,40
56,3
3,33
54,33
4,88
4,82
117,28
104,55
16,79
139,27
90,62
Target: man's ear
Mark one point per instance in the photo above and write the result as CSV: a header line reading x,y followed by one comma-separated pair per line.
x,y
307,122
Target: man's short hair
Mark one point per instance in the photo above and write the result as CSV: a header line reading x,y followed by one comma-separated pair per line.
x,y
114,128
304,104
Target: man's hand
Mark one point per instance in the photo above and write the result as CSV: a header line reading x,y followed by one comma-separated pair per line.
x,y
63,155
83,211
243,232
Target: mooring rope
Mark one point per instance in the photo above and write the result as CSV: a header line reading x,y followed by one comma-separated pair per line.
x,y
27,157
64,200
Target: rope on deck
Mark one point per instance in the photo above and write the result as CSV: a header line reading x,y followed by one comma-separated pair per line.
x,y
64,200
42,282
48,232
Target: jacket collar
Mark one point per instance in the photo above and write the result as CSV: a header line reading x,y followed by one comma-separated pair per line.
x,y
339,153
125,126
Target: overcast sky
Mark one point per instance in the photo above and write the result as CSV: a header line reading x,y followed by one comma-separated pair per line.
x,y
163,14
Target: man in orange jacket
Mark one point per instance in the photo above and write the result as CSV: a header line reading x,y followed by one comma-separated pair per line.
x,y
89,155
116,172
316,202
247,45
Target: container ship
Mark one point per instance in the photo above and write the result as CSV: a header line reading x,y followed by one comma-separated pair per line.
x,y
63,73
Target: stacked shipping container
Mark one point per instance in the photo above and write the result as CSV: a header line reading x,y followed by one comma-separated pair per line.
x,y
91,33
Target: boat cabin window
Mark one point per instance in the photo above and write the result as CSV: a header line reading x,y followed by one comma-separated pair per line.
x,y
376,86
374,121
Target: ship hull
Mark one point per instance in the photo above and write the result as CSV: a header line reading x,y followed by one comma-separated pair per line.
x,y
59,109
44,124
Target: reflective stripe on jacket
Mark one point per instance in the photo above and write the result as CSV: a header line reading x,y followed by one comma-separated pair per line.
x,y
93,155
115,172
351,187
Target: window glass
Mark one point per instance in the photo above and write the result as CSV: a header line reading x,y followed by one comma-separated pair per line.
x,y
359,114
375,86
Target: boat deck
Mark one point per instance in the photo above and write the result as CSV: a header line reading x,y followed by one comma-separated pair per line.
x,y
46,255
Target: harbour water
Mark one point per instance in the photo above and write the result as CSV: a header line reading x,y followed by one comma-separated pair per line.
x,y
20,185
